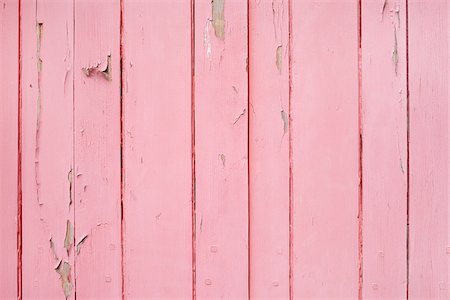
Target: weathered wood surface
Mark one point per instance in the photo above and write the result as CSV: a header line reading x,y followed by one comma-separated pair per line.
x,y
384,149
224,149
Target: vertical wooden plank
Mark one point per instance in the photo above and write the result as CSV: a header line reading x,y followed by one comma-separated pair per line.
x,y
384,124
157,149
97,149
428,149
9,74
47,152
269,149
221,110
325,149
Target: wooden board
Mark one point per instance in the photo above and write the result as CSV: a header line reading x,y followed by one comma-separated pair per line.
x,y
269,149
325,146
384,149
97,169
9,87
157,149
428,149
221,111
47,149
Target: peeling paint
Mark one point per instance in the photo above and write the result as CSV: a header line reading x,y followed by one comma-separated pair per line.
x,y
284,117
395,52
39,32
52,248
70,179
383,8
80,243
279,57
218,18
106,72
63,269
68,240
67,58
222,158
207,40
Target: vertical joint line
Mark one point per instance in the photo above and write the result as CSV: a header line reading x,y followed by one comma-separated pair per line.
x,y
291,186
74,151
122,85
19,158
360,162
407,150
193,171
248,158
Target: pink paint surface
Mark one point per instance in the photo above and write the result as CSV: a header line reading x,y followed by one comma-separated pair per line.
x,y
9,73
384,155
286,149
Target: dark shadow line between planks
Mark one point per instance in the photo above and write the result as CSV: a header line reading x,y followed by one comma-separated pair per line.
x,y
193,169
291,177
248,159
122,169
74,178
360,158
407,150
19,156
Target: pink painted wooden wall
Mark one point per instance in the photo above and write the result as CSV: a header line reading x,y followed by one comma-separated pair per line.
x,y
224,149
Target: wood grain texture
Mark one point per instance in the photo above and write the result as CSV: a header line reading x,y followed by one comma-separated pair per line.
x,y
47,148
9,87
384,144
221,111
97,149
269,149
428,195
157,149
325,149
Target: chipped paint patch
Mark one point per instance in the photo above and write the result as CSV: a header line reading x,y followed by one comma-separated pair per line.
x,y
39,32
80,243
68,240
395,52
222,158
279,57
383,8
106,71
218,18
284,117
70,179
207,40
52,248
63,269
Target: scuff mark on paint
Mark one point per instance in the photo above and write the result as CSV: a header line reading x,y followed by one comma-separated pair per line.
x,y
70,179
239,117
383,9
67,59
52,248
279,54
63,269
235,90
106,72
273,19
39,31
284,117
68,240
207,41
218,18
397,12
222,158
395,52
80,243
